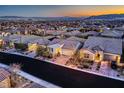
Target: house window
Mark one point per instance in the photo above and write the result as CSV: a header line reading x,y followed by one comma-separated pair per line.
x,y
86,55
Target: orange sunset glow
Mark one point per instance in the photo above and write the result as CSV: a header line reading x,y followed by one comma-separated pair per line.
x,y
61,10
93,10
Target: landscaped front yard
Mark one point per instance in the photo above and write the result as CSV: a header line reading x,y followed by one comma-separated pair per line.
x,y
61,59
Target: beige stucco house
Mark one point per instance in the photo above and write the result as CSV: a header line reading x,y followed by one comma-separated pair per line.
x,y
35,44
102,49
55,49
69,47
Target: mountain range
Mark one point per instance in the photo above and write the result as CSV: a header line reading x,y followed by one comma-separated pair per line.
x,y
98,17
41,18
107,17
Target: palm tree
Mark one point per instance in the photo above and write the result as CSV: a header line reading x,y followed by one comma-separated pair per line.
x,y
15,67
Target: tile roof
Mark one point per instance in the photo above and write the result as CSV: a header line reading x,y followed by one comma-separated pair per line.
x,y
22,38
72,33
3,74
69,44
108,45
54,41
94,33
73,38
41,41
112,33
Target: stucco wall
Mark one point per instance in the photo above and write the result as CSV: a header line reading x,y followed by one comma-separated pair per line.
x,y
83,52
67,52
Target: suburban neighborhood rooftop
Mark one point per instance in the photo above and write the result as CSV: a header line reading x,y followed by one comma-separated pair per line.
x,y
108,45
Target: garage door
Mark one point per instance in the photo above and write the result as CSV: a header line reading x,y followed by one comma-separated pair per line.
x,y
109,57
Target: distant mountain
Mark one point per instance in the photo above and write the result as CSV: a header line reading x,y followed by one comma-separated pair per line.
x,y
107,17
41,18
11,17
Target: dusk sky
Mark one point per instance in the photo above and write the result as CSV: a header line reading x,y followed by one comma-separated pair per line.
x,y
59,10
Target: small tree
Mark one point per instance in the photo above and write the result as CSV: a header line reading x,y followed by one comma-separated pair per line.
x,y
20,46
46,53
43,52
39,51
1,46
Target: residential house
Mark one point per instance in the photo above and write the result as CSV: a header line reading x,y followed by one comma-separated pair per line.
x,y
112,34
69,47
72,33
55,49
35,44
119,28
57,33
15,30
15,40
48,32
102,49
53,45
49,37
72,29
2,41
89,33
74,38
55,41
